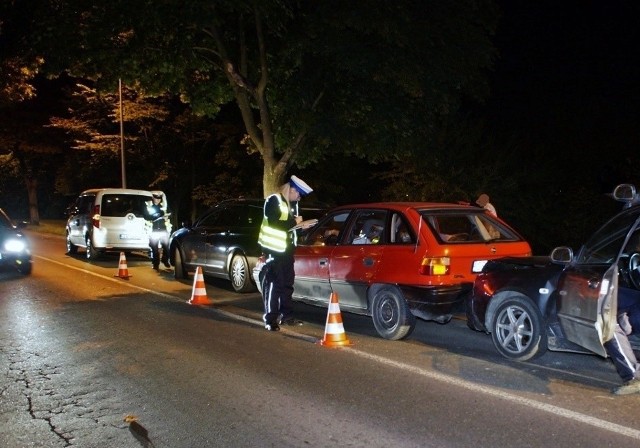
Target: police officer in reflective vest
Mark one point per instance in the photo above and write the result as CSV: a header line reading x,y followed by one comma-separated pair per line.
x,y
156,216
278,242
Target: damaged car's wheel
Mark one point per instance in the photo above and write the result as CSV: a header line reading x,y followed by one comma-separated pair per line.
x,y
517,330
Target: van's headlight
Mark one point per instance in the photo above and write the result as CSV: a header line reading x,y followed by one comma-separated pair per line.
x,y
14,245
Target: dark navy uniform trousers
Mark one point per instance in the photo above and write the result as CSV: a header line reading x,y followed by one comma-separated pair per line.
x,y
277,277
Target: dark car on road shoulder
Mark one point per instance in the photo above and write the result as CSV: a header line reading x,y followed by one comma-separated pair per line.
x,y
224,242
14,247
563,302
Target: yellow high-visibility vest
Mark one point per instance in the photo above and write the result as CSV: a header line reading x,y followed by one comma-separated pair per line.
x,y
270,237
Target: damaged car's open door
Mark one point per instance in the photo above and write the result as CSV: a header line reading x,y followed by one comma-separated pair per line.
x,y
588,287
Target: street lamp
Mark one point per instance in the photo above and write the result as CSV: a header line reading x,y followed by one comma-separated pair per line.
x,y
122,161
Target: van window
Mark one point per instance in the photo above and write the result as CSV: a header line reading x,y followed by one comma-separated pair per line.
x,y
120,205
84,204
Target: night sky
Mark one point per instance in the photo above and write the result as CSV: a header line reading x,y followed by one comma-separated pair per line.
x,y
568,73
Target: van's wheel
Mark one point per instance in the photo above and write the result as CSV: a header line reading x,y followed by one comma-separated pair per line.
x,y
71,248
516,330
92,253
179,271
239,274
391,315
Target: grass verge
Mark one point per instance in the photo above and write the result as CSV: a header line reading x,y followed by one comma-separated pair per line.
x,y
51,226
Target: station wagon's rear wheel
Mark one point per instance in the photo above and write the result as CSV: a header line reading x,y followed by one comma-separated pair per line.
x,y
391,315
179,271
516,330
239,274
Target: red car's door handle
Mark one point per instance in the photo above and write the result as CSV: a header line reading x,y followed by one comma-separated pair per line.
x,y
323,262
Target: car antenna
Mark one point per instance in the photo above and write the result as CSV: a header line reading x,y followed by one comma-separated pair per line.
x,y
415,248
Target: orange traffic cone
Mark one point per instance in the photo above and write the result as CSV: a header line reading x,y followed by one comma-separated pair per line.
x,y
199,293
334,335
123,271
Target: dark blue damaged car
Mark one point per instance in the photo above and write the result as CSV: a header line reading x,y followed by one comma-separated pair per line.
x,y
565,301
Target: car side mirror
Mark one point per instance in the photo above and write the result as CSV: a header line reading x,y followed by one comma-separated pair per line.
x,y
562,255
626,193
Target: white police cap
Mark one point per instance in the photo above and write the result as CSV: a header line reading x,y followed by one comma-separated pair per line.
x,y
300,185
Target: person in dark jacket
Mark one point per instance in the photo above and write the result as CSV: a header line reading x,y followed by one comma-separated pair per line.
x,y
155,214
278,240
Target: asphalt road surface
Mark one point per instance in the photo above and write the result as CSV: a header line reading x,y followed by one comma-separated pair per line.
x,y
89,359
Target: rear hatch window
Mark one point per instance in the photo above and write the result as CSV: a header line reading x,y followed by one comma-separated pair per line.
x,y
468,228
120,205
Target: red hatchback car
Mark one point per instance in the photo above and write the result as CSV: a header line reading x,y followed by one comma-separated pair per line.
x,y
395,261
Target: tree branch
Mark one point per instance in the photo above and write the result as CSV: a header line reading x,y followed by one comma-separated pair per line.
x,y
240,90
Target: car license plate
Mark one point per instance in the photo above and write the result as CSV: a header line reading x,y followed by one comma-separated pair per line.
x,y
126,236
478,265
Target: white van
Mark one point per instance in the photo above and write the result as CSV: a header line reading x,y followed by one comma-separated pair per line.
x,y
109,219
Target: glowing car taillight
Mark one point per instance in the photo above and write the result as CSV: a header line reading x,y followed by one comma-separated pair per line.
x,y
95,219
435,266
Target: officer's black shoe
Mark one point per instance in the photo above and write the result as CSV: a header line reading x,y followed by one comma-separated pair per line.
x,y
292,322
166,264
155,266
272,327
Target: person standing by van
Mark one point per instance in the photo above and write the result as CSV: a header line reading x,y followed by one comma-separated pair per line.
x,y
155,214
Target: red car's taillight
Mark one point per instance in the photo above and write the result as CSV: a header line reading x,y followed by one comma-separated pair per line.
x,y
95,220
435,266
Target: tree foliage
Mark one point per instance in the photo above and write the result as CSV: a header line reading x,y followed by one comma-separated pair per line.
x,y
17,67
310,78
28,144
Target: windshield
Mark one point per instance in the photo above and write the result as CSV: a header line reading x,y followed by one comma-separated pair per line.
x,y
5,222
604,245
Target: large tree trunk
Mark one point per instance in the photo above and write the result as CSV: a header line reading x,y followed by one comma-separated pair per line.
x,y
32,192
273,175
247,95
30,182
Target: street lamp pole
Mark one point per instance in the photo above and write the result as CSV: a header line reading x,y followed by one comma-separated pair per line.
x,y
122,161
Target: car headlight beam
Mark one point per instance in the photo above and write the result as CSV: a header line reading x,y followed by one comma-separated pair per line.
x,y
14,245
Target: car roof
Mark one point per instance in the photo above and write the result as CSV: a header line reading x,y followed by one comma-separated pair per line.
x,y
250,201
116,191
400,205
258,201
